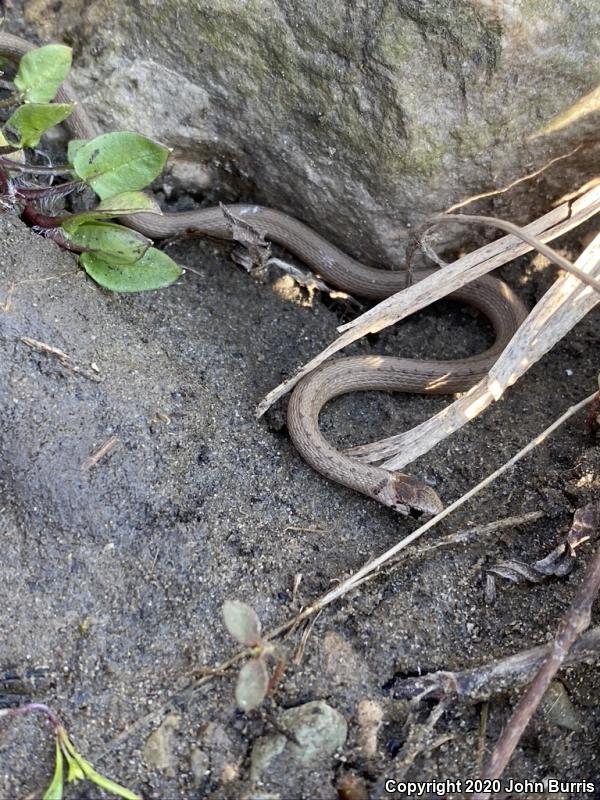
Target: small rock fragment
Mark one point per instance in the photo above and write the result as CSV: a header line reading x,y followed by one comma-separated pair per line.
x,y
318,729
199,765
370,720
557,708
159,748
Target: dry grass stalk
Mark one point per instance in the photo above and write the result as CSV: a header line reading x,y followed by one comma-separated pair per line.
x,y
559,310
466,269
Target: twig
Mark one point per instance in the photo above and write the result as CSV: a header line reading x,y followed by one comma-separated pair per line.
x,y
483,724
542,248
418,740
7,305
512,184
479,531
306,530
64,359
563,305
345,586
61,169
437,285
572,625
99,454
496,677
299,653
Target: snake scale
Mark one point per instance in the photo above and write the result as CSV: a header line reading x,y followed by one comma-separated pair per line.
x,y
493,298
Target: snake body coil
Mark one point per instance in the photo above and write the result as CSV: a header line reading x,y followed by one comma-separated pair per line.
x,y
489,295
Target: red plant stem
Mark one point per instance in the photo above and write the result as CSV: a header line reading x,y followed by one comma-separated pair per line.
x,y
61,241
35,169
35,217
40,708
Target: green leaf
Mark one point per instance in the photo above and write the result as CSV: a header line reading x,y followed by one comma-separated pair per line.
x,y
153,271
119,162
252,685
32,120
41,72
80,769
241,621
128,203
55,789
107,784
74,771
117,206
73,146
118,244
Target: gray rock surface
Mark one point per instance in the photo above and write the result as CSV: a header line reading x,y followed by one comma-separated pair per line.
x,y
361,118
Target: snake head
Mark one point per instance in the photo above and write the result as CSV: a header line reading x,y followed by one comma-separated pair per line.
x,y
408,495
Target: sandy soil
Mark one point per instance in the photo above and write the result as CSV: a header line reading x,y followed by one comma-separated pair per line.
x,y
113,576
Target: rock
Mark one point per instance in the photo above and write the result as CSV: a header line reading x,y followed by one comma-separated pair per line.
x,y
159,748
361,119
557,708
263,753
370,720
199,765
318,728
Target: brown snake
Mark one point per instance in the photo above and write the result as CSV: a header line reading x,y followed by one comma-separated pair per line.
x,y
490,296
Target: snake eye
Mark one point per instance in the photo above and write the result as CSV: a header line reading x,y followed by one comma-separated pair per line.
x,y
415,513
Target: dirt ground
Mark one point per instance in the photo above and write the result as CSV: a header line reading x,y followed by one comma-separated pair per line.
x,y
113,576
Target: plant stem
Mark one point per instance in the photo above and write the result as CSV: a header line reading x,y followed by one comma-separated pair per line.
x,y
571,626
36,169
35,217
61,190
39,708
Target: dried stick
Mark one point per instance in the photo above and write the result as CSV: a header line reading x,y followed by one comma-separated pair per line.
x,y
542,248
418,740
64,359
563,305
478,532
437,285
496,677
100,452
574,622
